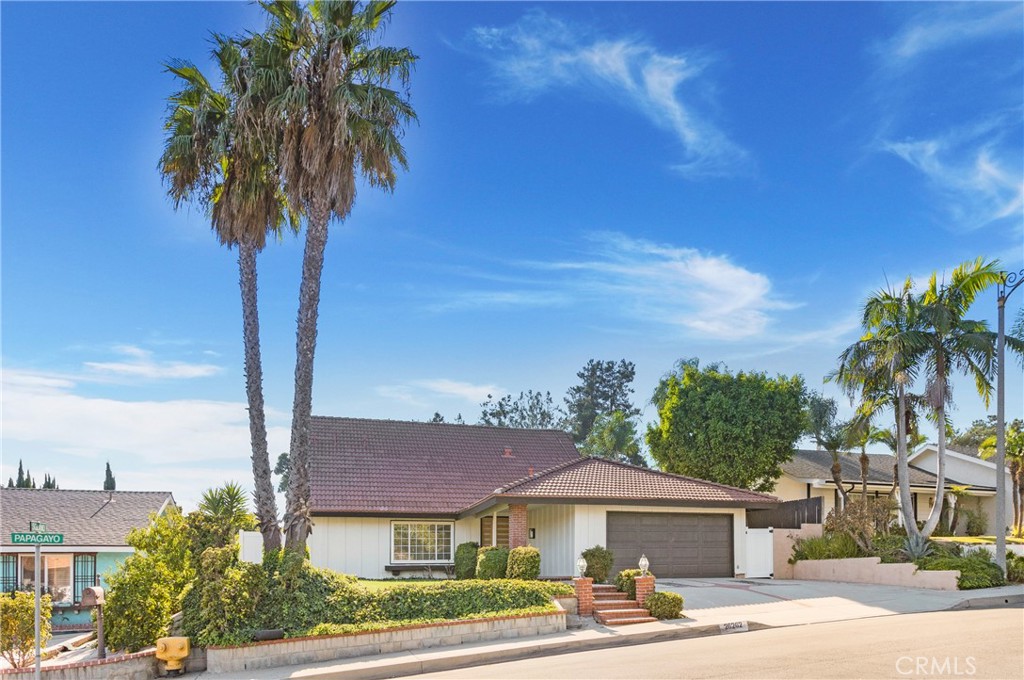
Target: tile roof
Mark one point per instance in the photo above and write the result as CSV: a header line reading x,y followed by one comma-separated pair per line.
x,y
387,467
807,464
99,518
597,479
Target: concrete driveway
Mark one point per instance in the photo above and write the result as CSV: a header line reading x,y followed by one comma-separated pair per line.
x,y
784,602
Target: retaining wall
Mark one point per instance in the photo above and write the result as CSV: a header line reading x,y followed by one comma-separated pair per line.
x,y
138,666
275,653
871,570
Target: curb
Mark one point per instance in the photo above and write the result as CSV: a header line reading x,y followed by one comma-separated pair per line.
x,y
987,602
410,663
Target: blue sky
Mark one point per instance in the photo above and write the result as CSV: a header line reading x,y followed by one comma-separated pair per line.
x,y
587,180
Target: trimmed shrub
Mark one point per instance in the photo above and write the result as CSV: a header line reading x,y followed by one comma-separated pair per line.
x,y
1014,567
18,626
465,560
599,563
664,605
459,599
976,571
625,581
523,563
491,562
827,547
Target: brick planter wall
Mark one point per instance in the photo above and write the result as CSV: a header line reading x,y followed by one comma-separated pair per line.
x,y
138,666
276,653
644,588
584,586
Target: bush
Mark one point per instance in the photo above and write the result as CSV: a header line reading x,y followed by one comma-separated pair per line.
x,y
491,562
976,571
459,599
889,547
18,626
977,521
827,547
523,563
465,560
664,605
139,604
862,522
1014,567
625,581
599,563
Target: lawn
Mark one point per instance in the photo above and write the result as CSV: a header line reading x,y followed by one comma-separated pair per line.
x,y
976,540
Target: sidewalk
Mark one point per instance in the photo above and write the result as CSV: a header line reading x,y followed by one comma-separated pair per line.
x,y
709,603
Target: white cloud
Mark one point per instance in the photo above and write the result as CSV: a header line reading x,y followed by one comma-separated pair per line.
x,y
503,299
52,413
141,364
949,25
540,52
422,393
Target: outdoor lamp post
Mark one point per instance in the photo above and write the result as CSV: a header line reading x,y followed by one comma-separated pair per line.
x,y
1004,289
644,563
581,566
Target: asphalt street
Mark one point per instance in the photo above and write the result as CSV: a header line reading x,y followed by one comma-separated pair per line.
x,y
973,643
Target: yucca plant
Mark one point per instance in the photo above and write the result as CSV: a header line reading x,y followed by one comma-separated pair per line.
x,y
917,547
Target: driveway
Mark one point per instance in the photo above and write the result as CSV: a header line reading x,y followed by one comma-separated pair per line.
x,y
784,602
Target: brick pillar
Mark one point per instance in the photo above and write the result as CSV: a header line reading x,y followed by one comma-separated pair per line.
x,y
584,595
644,588
517,536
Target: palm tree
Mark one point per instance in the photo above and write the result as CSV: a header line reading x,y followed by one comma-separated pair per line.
x,y
860,433
208,160
1015,466
330,99
954,344
880,366
828,434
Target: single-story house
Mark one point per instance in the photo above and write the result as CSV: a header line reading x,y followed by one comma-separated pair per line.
x,y
94,524
390,497
808,474
970,470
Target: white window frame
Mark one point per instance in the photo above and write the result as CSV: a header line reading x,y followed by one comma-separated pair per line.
x,y
411,522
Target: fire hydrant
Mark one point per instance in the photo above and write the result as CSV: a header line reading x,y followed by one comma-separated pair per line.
x,y
172,651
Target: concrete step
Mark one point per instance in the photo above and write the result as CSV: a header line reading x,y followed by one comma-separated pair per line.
x,y
628,621
608,617
602,605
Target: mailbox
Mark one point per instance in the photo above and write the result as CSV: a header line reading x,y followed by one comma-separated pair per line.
x,y
93,597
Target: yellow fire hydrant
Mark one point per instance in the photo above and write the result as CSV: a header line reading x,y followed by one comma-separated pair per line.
x,y
172,651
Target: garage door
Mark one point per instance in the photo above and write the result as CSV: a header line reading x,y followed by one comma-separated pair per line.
x,y
677,545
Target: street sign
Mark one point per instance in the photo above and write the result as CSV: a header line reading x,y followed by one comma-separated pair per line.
x,y
36,538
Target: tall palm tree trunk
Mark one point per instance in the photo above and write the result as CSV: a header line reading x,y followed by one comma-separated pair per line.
x,y
297,524
837,477
865,464
940,466
266,505
906,502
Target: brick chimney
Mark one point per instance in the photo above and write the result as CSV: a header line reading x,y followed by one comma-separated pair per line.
x,y
507,453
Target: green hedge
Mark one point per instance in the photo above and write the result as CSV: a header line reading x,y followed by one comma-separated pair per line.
x,y
341,628
1014,567
523,563
976,570
828,547
465,560
491,562
664,605
599,563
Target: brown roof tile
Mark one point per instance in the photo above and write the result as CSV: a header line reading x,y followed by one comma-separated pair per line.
x,y
600,479
388,467
94,518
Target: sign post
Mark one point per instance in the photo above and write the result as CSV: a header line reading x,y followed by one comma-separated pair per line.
x,y
38,536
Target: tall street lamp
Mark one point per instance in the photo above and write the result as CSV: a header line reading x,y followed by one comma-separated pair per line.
x,y
1004,289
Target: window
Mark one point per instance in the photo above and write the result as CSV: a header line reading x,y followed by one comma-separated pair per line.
x,y
85,574
485,531
421,541
54,575
8,573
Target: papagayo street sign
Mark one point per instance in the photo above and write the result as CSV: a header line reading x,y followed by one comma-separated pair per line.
x,y
36,538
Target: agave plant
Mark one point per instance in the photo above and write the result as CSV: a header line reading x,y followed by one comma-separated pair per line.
x,y
917,547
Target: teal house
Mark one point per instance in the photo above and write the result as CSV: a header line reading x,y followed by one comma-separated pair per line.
x,y
94,524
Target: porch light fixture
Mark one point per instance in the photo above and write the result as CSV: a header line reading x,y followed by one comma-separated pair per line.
x,y
644,563
581,566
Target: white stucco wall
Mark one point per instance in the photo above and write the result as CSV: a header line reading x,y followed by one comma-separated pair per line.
x,y
972,471
362,545
590,527
790,489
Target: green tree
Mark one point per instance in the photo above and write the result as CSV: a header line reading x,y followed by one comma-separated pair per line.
x,y
969,439
109,483
531,410
210,158
734,429
17,626
222,513
1014,465
614,436
49,482
337,116
25,480
283,469
604,388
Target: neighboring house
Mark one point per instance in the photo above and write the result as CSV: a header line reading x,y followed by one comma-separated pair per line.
x,y
393,497
94,524
809,475
968,469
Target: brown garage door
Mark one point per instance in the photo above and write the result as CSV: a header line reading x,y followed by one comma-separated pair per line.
x,y
677,545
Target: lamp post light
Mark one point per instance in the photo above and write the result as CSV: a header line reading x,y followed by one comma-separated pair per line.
x,y
1004,289
644,563
581,566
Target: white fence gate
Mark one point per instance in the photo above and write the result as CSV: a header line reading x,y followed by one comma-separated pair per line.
x,y
760,553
